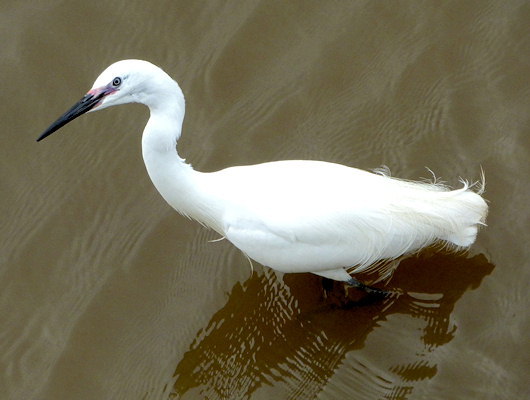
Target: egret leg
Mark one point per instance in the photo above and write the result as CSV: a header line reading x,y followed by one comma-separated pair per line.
x,y
340,274
368,289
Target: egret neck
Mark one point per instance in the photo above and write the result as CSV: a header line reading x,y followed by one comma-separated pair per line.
x,y
178,183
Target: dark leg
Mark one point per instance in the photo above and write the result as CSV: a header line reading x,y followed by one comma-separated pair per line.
x,y
368,289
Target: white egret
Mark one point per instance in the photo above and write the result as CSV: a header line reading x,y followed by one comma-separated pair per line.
x,y
292,216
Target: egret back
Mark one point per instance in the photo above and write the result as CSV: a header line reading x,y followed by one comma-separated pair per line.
x,y
298,216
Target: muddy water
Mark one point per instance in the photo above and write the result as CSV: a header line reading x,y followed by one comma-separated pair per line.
x,y
106,293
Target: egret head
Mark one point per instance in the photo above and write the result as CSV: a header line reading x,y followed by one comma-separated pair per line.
x,y
126,81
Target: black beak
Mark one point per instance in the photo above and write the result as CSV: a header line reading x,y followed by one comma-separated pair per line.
x,y
88,102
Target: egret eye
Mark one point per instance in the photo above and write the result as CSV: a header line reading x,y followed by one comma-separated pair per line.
x,y
116,81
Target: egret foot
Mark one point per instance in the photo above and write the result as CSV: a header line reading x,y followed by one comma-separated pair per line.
x,y
368,289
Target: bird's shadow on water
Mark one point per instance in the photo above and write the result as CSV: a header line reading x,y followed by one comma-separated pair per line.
x,y
296,333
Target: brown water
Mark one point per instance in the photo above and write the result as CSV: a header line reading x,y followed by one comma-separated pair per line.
x,y
106,293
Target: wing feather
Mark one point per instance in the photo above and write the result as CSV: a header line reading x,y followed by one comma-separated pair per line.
x,y
298,216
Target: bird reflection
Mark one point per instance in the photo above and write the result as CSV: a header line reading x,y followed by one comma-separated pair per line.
x,y
296,333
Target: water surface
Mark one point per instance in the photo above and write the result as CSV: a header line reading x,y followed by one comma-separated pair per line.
x,y
106,293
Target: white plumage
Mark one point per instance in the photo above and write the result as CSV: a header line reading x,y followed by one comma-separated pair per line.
x,y
293,216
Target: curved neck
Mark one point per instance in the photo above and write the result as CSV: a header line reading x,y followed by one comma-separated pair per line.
x,y
178,183
167,108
